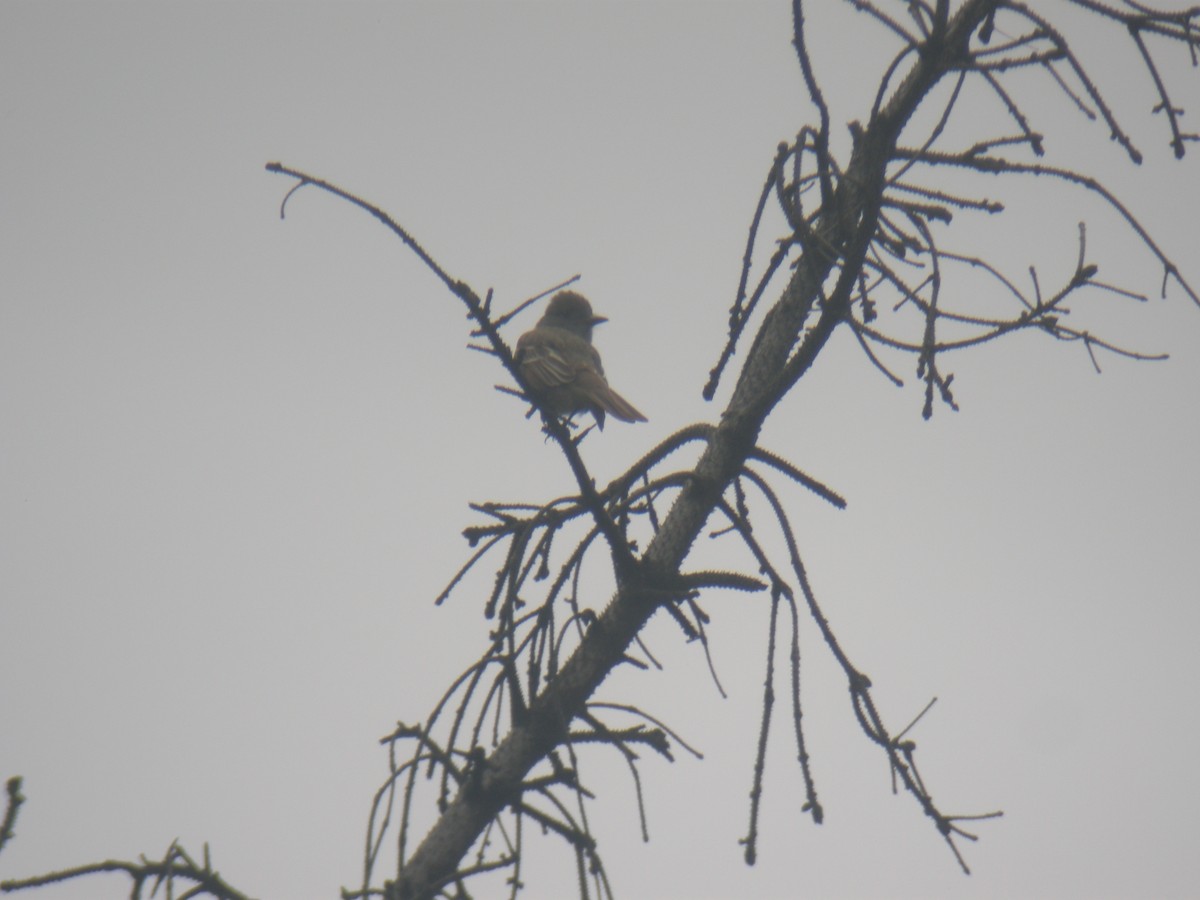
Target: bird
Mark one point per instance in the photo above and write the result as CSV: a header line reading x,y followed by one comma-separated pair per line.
x,y
562,369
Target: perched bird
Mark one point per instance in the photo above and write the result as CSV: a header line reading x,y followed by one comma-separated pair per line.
x,y
562,368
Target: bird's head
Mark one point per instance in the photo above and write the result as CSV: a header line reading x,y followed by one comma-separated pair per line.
x,y
572,312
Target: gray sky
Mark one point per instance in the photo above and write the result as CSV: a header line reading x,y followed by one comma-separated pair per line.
x,y
237,452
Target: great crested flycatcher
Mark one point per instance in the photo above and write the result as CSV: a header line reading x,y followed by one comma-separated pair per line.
x,y
562,368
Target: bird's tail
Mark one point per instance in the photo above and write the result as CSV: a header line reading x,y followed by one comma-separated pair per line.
x,y
620,408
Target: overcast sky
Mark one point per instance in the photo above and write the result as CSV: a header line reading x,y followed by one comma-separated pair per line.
x,y
236,452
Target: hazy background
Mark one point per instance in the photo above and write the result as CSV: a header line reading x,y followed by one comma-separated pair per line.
x,y
236,453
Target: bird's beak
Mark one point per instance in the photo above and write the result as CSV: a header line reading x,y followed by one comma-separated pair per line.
x,y
596,320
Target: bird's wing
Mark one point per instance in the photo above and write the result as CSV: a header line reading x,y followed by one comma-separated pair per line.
x,y
543,366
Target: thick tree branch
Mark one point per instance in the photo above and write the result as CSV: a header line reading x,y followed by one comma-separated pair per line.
x,y
845,226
